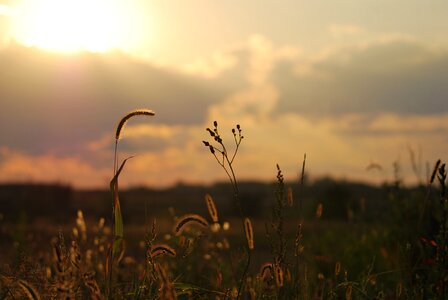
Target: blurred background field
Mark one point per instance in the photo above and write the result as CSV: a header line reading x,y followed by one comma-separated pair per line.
x,y
364,228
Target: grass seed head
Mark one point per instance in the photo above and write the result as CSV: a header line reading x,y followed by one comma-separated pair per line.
x,y
319,210
211,208
348,292
137,112
266,269
161,249
189,219
337,268
249,233
28,289
278,276
81,225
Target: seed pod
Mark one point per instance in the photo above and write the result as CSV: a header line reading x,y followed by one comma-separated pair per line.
x,y
211,132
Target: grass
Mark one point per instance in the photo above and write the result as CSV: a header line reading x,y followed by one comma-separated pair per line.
x,y
298,252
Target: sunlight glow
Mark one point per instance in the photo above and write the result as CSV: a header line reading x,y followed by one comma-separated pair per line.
x,y
67,25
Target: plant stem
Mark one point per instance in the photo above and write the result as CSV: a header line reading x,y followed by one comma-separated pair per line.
x,y
243,277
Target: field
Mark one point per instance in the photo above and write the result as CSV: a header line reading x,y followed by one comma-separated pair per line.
x,y
289,239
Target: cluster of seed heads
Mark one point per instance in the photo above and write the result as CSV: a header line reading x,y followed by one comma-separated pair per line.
x,y
214,133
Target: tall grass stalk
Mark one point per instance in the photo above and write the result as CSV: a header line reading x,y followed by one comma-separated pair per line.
x,y
117,219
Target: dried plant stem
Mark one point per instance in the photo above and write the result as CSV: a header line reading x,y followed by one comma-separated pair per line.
x,y
226,162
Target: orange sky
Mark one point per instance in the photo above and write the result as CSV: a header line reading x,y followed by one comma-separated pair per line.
x,y
348,84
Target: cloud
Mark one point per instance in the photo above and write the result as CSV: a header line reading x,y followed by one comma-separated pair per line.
x,y
347,106
356,104
213,67
336,146
57,103
21,167
263,56
145,137
398,76
392,124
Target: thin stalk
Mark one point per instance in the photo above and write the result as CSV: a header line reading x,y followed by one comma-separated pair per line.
x,y
238,204
243,276
227,164
443,232
110,261
302,176
297,245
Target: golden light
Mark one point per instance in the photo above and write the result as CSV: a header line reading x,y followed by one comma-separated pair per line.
x,y
73,25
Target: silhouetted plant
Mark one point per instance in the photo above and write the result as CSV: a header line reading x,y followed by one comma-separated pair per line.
x,y
226,159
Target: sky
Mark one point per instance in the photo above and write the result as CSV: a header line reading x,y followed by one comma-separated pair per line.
x,y
350,83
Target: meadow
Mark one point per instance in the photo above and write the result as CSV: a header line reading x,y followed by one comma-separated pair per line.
x,y
289,239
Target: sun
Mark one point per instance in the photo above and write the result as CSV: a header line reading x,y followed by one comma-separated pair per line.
x,y
75,25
